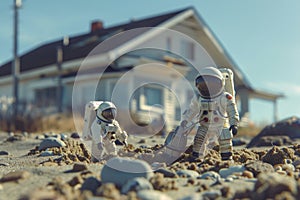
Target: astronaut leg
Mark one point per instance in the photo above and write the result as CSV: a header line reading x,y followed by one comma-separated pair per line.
x,y
97,151
110,147
225,142
200,142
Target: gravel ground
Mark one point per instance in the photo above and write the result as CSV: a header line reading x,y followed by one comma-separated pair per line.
x,y
27,175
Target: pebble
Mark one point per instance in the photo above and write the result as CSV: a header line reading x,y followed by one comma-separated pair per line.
x,y
46,153
77,167
39,137
248,174
119,170
257,167
4,164
51,142
15,176
25,133
136,184
187,173
210,175
167,173
3,153
75,135
90,184
225,172
152,195
211,194
63,136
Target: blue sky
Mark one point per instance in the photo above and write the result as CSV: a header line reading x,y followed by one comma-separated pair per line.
x,y
262,36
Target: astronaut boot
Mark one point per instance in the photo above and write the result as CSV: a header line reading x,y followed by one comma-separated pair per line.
x,y
226,156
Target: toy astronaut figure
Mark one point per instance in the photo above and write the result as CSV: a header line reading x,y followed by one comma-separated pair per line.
x,y
104,130
214,108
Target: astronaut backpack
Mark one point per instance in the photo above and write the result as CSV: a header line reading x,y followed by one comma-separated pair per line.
x,y
229,84
89,117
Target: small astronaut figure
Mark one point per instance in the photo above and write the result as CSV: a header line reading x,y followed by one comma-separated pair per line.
x,y
214,108
105,130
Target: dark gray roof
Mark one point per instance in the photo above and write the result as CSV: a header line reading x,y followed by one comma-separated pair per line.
x,y
81,45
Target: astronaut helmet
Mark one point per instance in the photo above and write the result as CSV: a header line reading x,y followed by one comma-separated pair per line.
x,y
106,112
210,83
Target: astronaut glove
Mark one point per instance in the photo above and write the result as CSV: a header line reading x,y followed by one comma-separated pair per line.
x,y
233,129
123,137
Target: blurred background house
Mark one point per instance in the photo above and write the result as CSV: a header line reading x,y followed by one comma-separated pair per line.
x,y
48,72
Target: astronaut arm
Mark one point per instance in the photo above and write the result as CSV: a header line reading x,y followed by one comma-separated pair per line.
x,y
232,111
121,134
192,111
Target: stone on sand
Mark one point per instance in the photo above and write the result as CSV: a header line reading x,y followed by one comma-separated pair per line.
x,y
225,172
119,170
152,194
136,184
51,142
15,176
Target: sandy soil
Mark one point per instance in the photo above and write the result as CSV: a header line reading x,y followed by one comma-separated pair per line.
x,y
48,177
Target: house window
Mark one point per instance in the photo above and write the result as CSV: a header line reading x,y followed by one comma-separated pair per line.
x,y
153,96
187,49
46,97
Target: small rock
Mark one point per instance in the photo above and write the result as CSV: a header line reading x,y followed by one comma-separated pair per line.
x,y
109,191
4,153
142,141
77,167
167,173
75,135
1,187
136,184
75,181
152,195
15,176
211,194
90,184
268,185
42,194
25,133
225,172
278,156
210,175
257,167
288,167
4,164
187,173
51,142
39,137
119,170
46,153
248,174
11,134
63,136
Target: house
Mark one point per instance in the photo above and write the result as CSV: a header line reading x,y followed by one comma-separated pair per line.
x,y
146,62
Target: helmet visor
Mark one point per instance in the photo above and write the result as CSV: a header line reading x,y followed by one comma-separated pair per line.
x,y
109,114
209,86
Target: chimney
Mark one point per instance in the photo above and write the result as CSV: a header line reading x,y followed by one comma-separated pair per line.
x,y
96,25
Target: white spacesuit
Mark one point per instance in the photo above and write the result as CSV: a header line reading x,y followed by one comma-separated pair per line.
x,y
215,108
104,131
